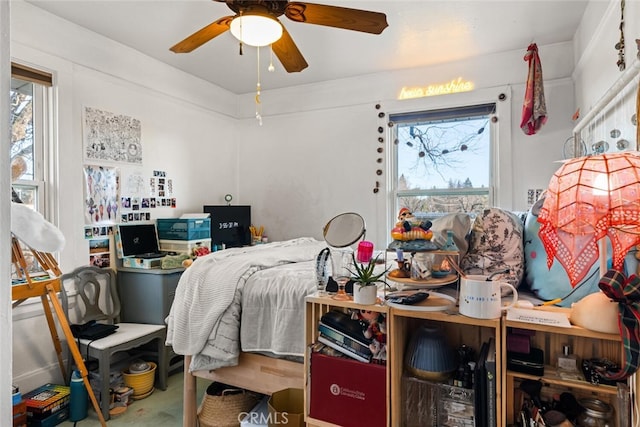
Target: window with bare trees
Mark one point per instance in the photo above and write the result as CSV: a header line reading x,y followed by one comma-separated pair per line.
x,y
443,159
29,135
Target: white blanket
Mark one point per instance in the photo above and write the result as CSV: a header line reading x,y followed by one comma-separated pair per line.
x,y
273,309
204,320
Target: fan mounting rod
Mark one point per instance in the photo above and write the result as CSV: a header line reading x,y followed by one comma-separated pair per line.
x,y
272,7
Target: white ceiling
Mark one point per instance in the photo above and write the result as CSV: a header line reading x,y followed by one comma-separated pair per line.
x,y
420,33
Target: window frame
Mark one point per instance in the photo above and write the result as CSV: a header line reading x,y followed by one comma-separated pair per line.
x,y
501,170
43,141
447,114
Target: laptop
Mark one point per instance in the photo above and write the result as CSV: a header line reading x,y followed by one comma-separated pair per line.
x,y
140,241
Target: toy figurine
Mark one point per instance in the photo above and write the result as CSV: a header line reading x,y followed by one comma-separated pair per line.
x,y
409,227
374,327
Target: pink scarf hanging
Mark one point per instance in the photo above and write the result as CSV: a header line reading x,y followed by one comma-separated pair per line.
x,y
534,109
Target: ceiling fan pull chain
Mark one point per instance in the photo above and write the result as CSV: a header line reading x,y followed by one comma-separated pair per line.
x,y
258,88
241,36
271,67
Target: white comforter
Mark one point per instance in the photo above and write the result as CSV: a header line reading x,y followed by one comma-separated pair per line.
x,y
205,317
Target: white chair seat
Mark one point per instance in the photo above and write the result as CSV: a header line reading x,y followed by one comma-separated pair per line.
x,y
126,333
97,299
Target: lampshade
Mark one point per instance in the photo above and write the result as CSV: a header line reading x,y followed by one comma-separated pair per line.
x,y
256,29
429,356
590,198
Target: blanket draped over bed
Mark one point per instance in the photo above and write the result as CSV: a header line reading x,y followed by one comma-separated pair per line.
x,y
204,320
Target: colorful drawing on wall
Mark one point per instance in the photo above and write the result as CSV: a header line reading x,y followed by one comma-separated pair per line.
x,y
111,137
101,195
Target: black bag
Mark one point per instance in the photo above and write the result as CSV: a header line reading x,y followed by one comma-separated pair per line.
x,y
93,330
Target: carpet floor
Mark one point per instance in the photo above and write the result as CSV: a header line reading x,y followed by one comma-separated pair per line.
x,y
160,409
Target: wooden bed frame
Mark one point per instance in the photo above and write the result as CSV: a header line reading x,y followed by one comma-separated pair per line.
x,y
255,372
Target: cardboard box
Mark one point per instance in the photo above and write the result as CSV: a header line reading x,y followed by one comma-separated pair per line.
x,y
286,408
51,420
47,400
20,408
348,392
20,413
20,420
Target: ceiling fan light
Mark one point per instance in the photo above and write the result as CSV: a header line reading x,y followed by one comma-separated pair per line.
x,y
256,30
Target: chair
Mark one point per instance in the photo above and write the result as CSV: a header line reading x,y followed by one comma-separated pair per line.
x,y
98,300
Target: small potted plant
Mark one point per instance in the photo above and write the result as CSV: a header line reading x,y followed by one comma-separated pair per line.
x,y
366,280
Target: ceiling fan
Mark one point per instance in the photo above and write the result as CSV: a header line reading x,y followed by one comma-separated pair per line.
x,y
285,48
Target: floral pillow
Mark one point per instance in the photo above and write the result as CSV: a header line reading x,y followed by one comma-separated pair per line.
x,y
496,245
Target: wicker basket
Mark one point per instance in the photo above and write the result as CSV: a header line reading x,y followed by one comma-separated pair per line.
x,y
224,410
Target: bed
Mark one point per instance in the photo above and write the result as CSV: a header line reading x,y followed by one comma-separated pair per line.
x,y
238,317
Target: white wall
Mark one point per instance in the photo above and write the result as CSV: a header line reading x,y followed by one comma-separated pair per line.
x,y
315,154
6,412
188,130
313,157
596,70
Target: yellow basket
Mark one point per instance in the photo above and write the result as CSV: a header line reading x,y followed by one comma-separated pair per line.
x,y
141,383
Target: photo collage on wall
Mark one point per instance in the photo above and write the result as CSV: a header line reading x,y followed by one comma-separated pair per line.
x,y
141,196
120,194
99,245
100,211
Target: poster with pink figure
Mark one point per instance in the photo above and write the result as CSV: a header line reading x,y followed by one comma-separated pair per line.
x,y
101,195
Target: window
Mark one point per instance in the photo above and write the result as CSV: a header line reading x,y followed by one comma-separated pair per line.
x,y
443,159
29,131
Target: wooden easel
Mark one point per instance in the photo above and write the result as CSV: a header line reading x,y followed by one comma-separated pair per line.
x,y
47,287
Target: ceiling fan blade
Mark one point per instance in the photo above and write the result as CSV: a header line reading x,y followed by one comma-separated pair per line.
x,y
288,53
203,35
338,17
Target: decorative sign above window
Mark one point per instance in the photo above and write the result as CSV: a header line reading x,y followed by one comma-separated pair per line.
x,y
454,86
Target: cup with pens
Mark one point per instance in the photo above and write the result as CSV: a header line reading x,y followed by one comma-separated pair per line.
x,y
256,234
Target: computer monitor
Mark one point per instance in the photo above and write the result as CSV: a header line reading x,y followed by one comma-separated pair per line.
x,y
229,225
139,239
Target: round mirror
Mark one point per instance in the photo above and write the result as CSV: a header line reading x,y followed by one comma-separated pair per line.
x,y
344,230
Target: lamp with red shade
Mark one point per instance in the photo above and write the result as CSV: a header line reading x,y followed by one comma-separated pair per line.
x,y
588,200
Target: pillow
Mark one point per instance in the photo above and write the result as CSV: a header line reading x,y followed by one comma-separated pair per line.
x,y
549,284
459,223
496,245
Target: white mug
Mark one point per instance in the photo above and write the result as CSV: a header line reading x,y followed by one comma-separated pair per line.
x,y
481,298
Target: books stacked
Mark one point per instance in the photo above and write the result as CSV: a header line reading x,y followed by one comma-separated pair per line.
x,y
48,405
344,334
